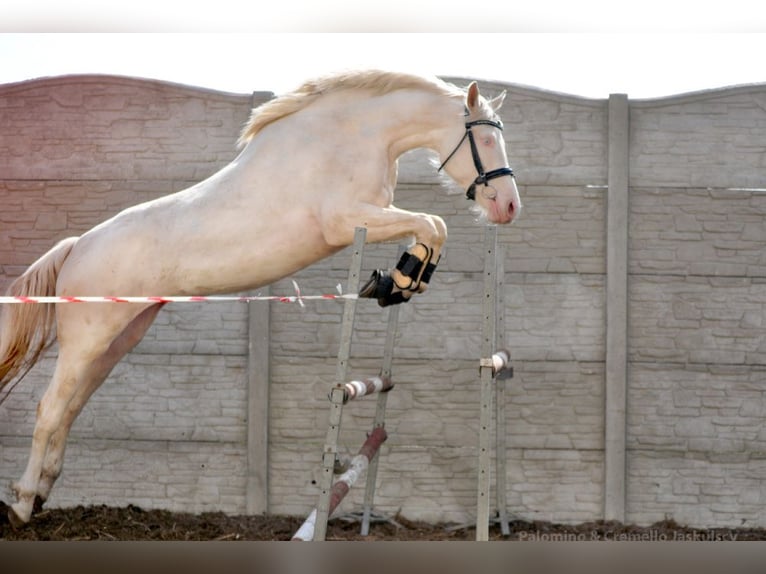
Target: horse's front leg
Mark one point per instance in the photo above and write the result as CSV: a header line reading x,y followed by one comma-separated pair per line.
x,y
413,271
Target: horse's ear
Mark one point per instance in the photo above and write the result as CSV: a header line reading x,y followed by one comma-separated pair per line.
x,y
472,99
496,102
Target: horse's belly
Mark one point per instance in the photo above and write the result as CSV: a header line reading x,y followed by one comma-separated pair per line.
x,y
141,258
242,269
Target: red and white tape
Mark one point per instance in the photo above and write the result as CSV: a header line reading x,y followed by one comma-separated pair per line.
x,y
297,298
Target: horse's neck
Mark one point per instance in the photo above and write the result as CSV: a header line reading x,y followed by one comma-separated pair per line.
x,y
417,120
358,132
399,121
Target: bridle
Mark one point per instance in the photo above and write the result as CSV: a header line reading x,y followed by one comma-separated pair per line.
x,y
483,177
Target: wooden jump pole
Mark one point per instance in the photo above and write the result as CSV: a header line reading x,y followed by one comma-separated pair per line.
x,y
358,389
340,488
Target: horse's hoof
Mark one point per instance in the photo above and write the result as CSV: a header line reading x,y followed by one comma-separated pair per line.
x,y
381,286
37,506
13,518
4,508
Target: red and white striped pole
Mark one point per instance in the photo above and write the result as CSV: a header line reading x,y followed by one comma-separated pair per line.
x,y
346,480
297,298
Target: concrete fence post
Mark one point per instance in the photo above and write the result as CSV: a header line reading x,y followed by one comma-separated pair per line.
x,y
616,308
258,386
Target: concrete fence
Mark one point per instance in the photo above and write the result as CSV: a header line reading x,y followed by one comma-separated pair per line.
x,y
636,286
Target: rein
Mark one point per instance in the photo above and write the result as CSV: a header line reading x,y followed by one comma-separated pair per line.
x,y
483,177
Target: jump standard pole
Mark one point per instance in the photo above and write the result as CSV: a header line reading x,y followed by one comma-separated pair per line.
x,y
331,494
494,366
380,412
337,395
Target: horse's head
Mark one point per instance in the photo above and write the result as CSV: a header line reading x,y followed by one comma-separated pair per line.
x,y
482,166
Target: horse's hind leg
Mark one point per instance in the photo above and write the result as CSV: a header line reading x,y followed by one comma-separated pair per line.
x,y
54,455
78,374
50,413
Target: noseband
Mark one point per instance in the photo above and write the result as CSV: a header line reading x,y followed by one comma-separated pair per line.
x,y
483,177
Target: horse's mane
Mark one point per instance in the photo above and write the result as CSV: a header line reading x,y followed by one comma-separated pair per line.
x,y
376,81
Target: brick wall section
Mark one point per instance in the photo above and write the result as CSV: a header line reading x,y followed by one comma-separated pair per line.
x,y
169,427
697,306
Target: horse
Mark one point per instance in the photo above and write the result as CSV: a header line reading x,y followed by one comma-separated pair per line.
x,y
313,165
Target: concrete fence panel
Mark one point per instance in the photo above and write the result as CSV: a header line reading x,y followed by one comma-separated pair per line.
x,y
634,311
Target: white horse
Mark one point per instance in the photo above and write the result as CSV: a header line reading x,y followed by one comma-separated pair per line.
x,y
317,163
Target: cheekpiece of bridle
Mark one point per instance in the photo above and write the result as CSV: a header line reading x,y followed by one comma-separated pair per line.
x,y
484,177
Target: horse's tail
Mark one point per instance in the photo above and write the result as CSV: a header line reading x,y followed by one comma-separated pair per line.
x,y
27,330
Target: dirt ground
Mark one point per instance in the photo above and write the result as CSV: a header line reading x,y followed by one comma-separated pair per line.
x,y
134,524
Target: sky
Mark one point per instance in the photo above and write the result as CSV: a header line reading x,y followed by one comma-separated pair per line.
x,y
648,53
